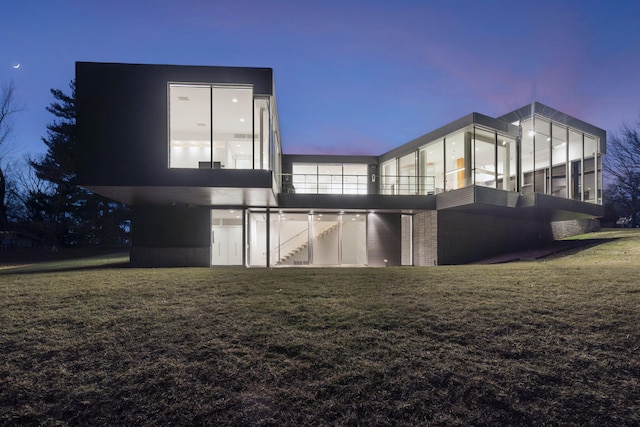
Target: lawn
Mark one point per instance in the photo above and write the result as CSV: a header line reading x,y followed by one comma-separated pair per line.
x,y
548,342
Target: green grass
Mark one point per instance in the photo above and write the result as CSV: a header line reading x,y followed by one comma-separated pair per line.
x,y
549,342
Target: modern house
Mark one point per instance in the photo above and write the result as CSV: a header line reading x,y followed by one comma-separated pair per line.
x,y
195,151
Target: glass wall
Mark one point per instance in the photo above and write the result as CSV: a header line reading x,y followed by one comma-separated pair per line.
x,y
507,163
407,176
219,127
559,160
484,158
353,239
389,177
432,168
317,239
189,126
329,178
226,237
457,160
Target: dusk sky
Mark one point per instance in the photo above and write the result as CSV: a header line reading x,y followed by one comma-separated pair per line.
x,y
352,76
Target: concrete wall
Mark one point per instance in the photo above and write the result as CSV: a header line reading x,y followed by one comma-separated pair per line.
x,y
170,236
384,239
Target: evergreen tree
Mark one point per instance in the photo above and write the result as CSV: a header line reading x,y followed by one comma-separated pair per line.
x,y
80,216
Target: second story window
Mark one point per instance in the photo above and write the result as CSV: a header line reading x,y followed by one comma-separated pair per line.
x,y
217,127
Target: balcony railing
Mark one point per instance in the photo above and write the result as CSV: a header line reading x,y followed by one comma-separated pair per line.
x,y
324,184
358,184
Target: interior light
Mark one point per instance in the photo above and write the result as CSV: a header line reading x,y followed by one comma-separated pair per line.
x,y
231,211
504,143
234,100
242,120
531,133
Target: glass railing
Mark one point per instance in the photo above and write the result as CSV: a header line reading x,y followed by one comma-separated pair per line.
x,y
324,184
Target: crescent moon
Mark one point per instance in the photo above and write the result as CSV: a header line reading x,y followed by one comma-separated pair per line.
x,y
16,66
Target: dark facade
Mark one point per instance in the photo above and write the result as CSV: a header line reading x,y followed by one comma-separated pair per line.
x,y
196,152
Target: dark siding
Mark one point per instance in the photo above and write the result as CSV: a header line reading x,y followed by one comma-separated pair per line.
x,y
170,237
465,237
122,120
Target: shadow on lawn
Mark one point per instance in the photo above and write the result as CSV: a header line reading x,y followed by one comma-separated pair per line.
x,y
555,249
105,261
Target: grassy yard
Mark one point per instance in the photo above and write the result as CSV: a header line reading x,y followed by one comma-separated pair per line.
x,y
548,342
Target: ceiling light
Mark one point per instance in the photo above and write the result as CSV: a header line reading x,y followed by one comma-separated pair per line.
x,y
242,120
234,100
531,133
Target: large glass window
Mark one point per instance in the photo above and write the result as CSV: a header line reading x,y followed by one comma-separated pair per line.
x,y
526,158
407,179
542,142
484,153
327,178
293,240
458,160
507,163
257,232
226,237
354,239
432,168
189,126
590,175
219,127
389,177
559,160
326,239
575,165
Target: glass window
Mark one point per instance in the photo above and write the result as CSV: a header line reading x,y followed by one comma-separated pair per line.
x,y
355,178
590,175
458,160
326,239
305,178
575,165
189,126
389,177
232,127
542,154
329,179
507,163
559,160
432,168
258,239
407,180
261,133
526,159
354,239
484,158
292,247
218,127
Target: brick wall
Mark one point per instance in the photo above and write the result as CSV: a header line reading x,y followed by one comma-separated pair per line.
x,y
425,238
562,229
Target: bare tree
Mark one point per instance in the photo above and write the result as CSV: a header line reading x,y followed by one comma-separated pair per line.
x,y
622,165
8,107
